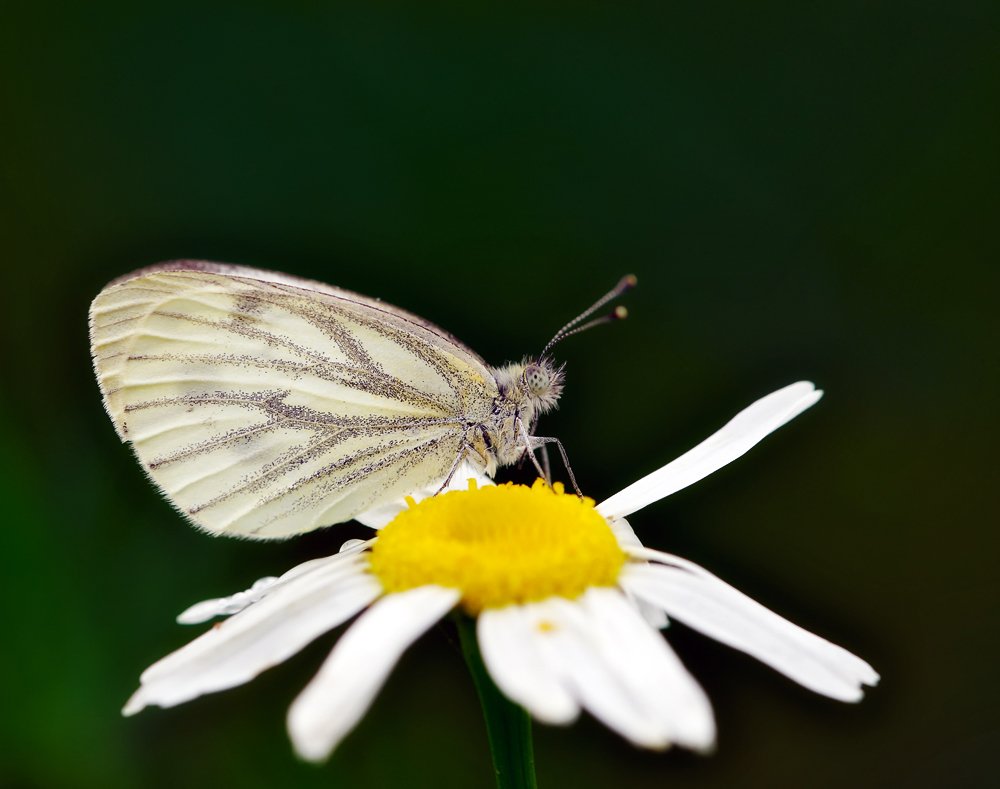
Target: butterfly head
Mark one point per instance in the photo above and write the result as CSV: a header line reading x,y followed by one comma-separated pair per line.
x,y
533,385
542,383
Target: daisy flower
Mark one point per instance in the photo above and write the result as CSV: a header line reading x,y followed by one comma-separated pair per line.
x,y
567,606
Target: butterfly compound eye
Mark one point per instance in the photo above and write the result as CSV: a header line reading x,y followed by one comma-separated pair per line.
x,y
536,378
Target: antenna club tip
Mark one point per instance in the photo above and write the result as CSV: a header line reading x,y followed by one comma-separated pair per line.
x,y
620,313
629,281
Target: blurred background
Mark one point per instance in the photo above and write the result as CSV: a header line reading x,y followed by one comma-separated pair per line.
x,y
804,191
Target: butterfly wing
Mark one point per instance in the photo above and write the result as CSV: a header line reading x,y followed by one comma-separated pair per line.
x,y
265,406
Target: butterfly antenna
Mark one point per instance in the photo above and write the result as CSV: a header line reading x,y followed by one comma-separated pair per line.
x,y
624,285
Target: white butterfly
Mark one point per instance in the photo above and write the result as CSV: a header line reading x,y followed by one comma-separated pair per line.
x,y
264,406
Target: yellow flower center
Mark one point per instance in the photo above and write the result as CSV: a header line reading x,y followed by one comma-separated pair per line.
x,y
499,545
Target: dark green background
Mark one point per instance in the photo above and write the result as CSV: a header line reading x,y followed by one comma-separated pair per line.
x,y
805,190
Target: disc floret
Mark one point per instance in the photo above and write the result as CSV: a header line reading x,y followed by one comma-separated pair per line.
x,y
499,545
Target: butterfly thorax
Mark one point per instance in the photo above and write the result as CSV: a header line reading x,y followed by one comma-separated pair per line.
x,y
527,389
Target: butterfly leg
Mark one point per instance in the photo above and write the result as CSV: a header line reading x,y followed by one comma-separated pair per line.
x,y
546,468
466,452
530,445
546,465
454,467
541,441
535,442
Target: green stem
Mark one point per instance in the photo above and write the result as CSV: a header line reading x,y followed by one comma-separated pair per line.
x,y
508,726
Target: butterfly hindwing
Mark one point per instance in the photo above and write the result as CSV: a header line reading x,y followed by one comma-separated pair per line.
x,y
265,406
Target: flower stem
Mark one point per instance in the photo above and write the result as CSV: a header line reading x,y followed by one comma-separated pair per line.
x,y
508,726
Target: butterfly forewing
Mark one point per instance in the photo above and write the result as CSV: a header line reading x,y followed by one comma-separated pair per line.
x,y
266,406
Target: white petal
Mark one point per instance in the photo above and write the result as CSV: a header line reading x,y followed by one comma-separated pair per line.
x,y
570,647
697,598
740,434
346,551
263,635
623,532
334,701
379,516
626,537
651,670
507,642
225,606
